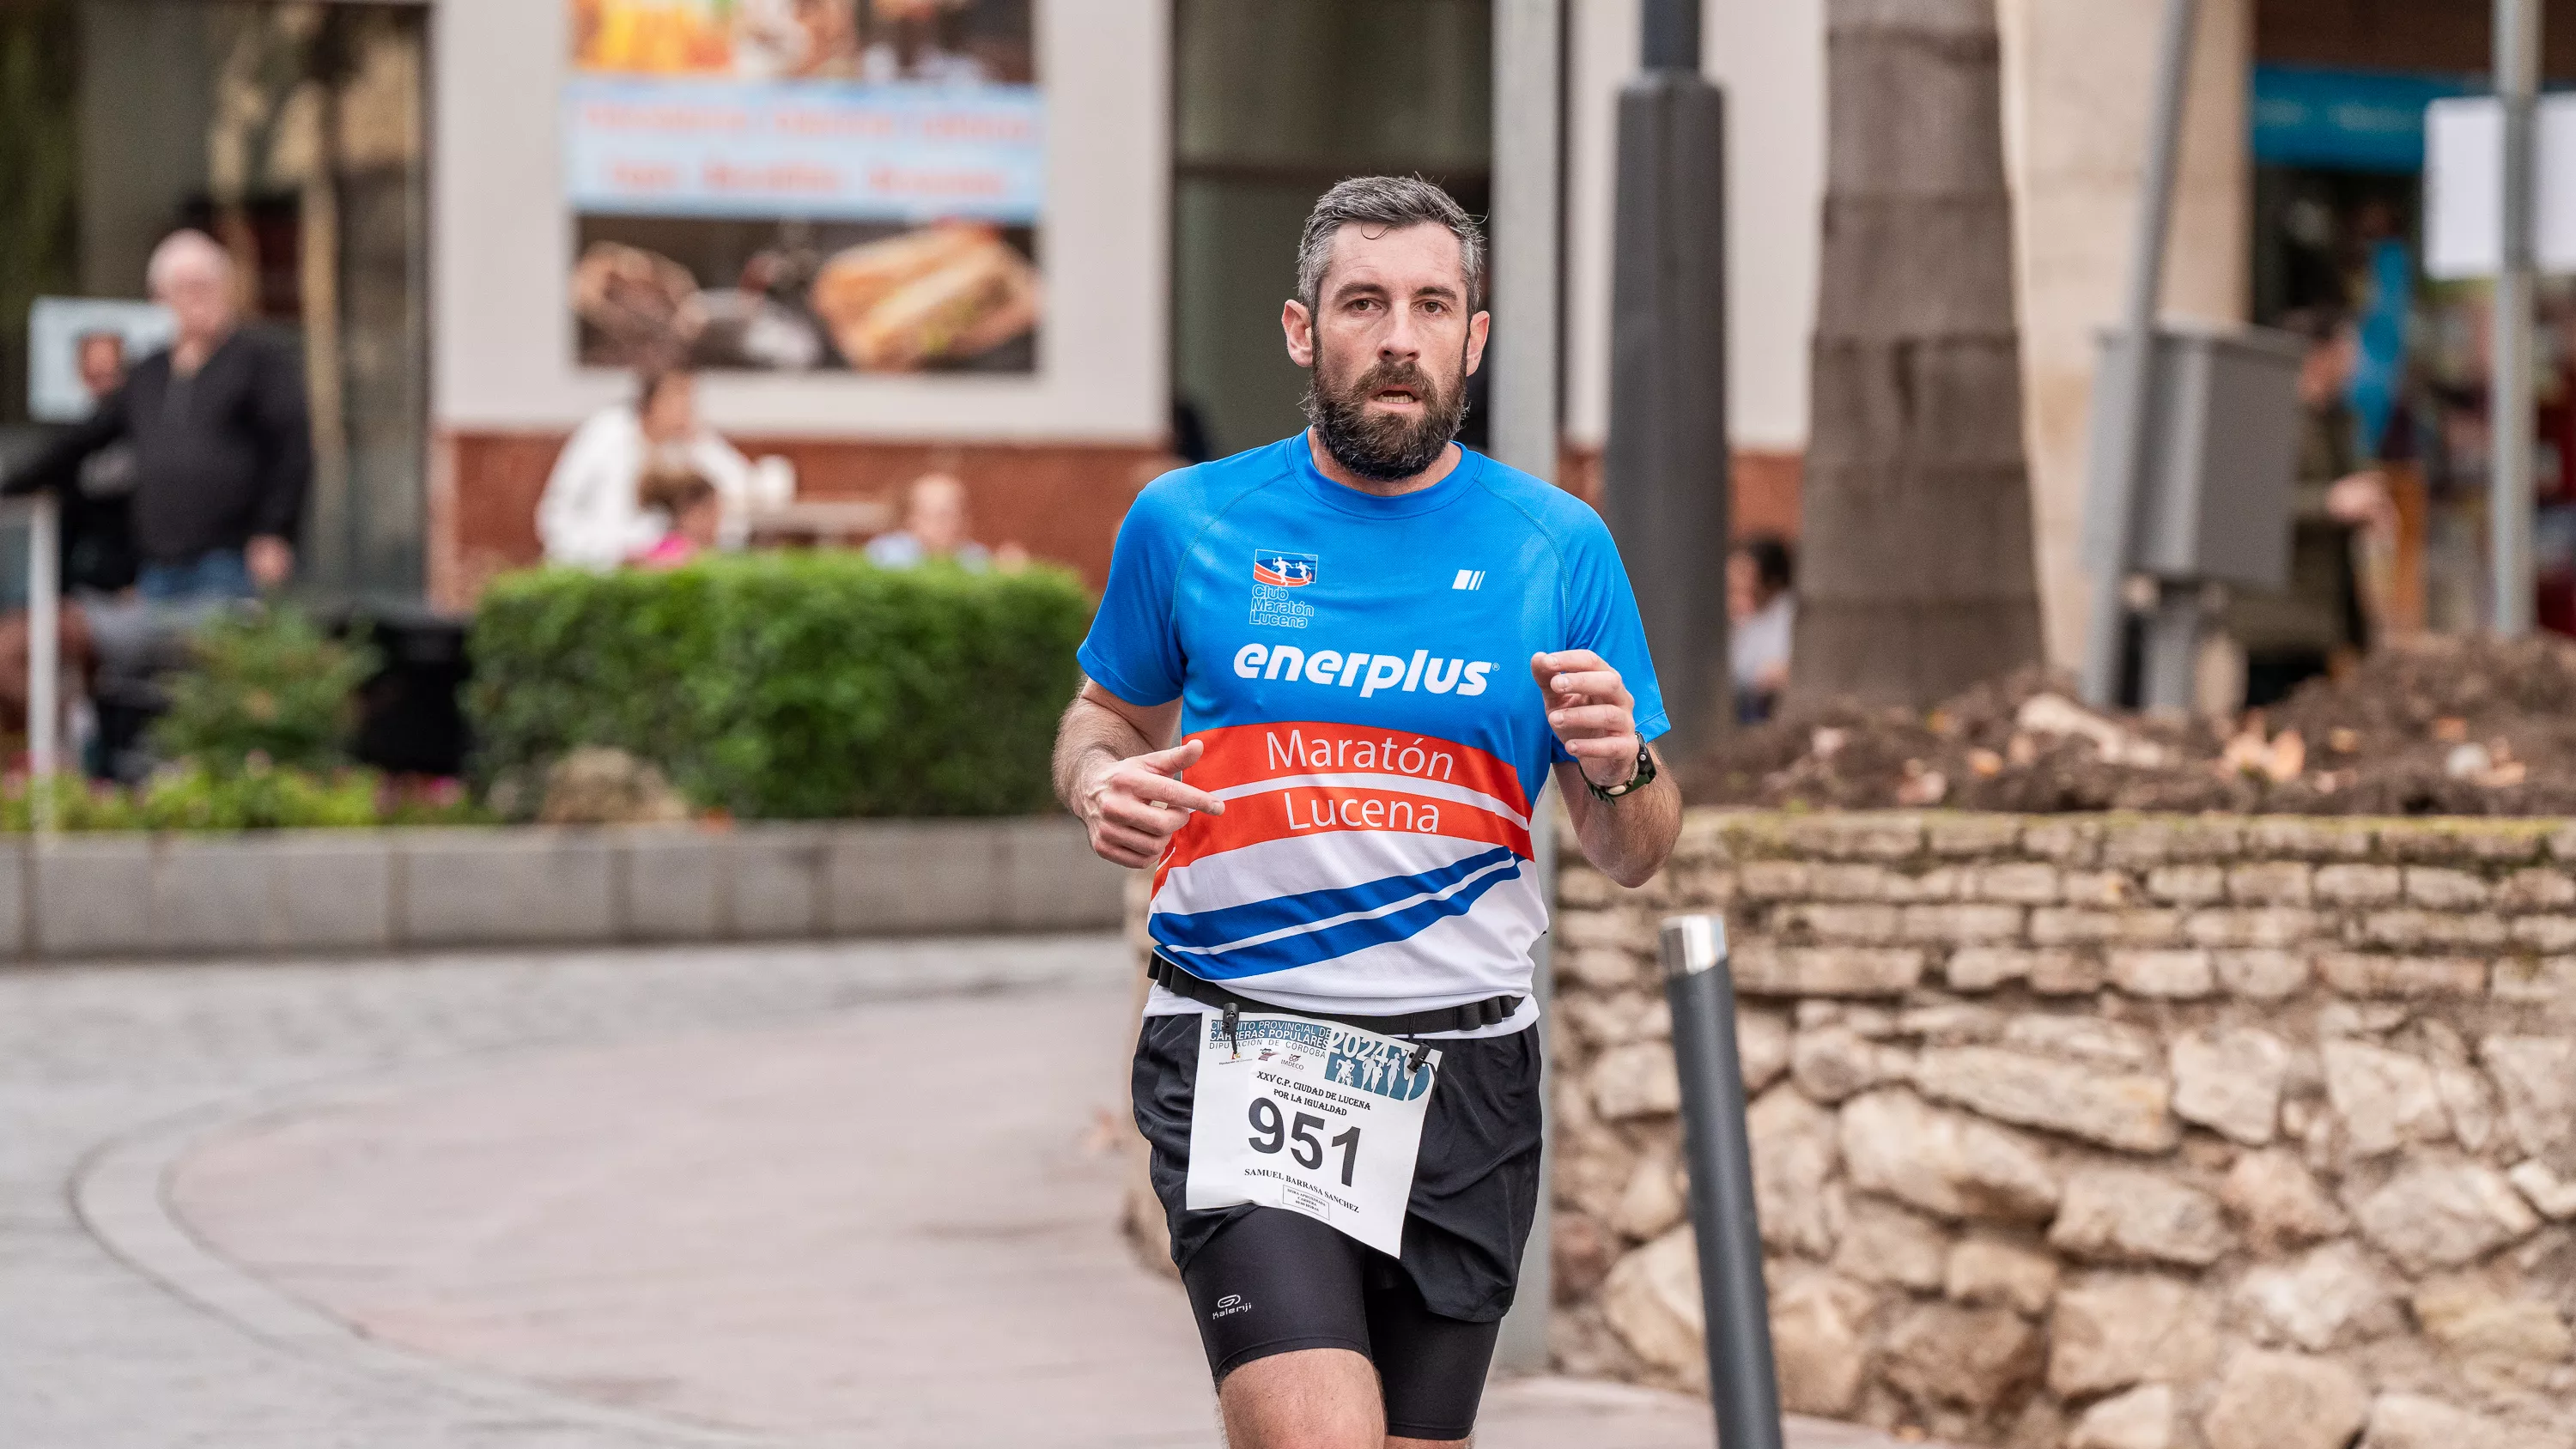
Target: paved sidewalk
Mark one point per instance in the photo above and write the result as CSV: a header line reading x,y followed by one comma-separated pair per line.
x,y
784,1195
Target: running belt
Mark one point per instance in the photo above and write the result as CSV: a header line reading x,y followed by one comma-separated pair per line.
x,y
1466,1017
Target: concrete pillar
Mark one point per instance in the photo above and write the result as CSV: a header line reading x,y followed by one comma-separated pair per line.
x,y
2077,78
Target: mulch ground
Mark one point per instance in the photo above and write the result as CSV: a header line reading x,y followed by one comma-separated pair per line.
x,y
2441,727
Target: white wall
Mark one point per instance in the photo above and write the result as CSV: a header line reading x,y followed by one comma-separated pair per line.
x,y
1769,58
503,249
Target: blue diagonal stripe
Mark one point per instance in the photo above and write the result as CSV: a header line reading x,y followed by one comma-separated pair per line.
x,y
1308,947
1253,918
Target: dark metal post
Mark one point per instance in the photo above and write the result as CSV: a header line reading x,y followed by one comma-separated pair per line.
x,y
2126,383
1666,464
2509,504
1741,1382
1669,30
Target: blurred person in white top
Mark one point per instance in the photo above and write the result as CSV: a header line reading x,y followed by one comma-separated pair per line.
x,y
1762,614
591,514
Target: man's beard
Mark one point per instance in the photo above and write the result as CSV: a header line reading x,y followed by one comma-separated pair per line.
x,y
1386,448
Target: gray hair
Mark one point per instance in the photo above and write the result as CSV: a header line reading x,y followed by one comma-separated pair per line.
x,y
1388,203
183,249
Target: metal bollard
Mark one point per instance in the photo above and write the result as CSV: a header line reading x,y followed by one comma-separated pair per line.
x,y
1741,1385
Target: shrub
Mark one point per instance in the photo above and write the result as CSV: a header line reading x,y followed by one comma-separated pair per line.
x,y
258,797
263,686
798,685
77,804
195,798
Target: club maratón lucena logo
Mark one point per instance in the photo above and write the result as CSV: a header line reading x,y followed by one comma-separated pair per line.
x,y
1283,570
1276,576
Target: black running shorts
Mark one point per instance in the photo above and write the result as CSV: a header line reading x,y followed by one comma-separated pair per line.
x,y
1427,1321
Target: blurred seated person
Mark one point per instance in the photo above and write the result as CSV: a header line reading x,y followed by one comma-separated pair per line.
x,y
935,527
593,513
221,449
2319,623
1761,615
693,512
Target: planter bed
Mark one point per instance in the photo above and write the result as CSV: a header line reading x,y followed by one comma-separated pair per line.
x,y
301,891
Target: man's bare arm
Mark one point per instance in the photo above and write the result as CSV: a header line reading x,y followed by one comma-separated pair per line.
x,y
1628,838
1591,710
1114,768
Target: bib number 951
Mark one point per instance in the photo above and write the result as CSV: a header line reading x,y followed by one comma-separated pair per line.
x,y
1311,1116
1297,1135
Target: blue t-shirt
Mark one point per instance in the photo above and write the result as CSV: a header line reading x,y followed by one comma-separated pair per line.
x,y
1359,669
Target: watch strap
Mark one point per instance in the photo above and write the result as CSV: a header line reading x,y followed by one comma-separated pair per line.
x,y
1644,776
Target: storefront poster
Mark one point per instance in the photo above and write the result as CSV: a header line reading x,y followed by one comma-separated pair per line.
x,y
804,185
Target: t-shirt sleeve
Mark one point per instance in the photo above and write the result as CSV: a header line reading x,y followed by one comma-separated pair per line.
x,y
1601,614
1134,648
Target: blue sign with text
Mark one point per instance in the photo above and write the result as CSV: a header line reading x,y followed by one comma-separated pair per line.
x,y
2346,120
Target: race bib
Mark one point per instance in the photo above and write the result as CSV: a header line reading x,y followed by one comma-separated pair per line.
x,y
1316,1118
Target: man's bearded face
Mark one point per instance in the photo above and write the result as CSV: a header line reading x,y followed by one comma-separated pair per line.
x,y
1388,420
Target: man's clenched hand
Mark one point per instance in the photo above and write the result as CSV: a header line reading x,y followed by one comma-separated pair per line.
x,y
1592,711
1132,806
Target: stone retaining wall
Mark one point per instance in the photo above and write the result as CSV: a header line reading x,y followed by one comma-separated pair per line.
x,y
2104,1133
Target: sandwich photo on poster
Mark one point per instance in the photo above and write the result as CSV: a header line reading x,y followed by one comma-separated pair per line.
x,y
805,185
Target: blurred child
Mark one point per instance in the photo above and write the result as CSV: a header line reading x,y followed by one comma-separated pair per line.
x,y
694,510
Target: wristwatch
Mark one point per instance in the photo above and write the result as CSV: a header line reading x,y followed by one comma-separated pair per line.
x,y
1645,776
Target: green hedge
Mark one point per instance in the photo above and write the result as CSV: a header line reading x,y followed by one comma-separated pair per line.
x,y
787,686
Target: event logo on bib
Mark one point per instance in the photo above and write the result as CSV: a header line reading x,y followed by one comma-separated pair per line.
x,y
1360,1059
1372,1067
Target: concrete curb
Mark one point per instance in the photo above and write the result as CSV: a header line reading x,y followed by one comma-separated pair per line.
x,y
310,891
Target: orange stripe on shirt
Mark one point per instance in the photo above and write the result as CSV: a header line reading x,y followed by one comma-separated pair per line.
x,y
1316,810
1247,755
1242,754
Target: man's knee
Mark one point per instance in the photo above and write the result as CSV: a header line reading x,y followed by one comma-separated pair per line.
x,y
1310,1398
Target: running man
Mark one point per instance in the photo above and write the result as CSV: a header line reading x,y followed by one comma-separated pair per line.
x,y
1364,646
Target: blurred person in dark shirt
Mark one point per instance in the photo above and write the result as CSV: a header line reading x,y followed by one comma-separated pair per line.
x,y
222,448
2319,623
97,518
100,357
